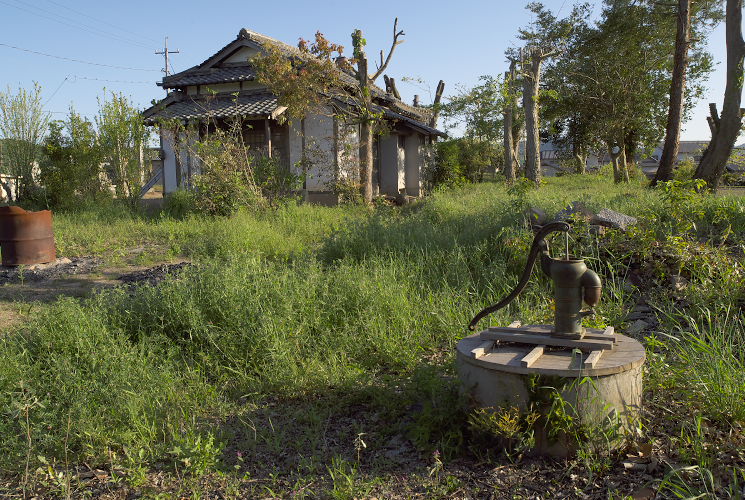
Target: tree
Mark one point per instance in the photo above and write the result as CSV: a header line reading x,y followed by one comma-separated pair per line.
x,y
725,130
71,170
479,109
123,136
23,124
545,38
310,78
512,124
612,83
707,16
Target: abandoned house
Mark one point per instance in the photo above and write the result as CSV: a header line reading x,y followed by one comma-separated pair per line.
x,y
321,147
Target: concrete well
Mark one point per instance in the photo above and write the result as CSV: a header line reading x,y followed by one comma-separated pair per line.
x,y
495,377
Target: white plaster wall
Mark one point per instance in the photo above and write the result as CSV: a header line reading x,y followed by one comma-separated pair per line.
x,y
252,85
295,146
414,164
221,87
319,153
348,150
401,165
241,55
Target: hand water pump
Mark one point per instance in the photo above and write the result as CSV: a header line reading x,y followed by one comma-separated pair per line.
x,y
573,284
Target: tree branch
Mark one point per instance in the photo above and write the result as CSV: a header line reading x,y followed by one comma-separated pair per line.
x,y
395,43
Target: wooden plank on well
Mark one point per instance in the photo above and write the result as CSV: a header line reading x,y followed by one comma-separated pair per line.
x,y
592,359
532,356
520,336
482,349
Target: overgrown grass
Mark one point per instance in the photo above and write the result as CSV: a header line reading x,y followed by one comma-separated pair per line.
x,y
112,232
305,301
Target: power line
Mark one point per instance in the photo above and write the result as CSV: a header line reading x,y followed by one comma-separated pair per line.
x,y
56,90
102,21
73,22
67,21
76,77
76,60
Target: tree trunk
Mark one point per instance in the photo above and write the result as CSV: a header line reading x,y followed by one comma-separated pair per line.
x,y
509,162
629,147
366,131
581,160
435,103
530,105
517,131
677,89
614,157
727,129
624,167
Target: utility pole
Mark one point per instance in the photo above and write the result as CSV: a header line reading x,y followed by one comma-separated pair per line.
x,y
165,53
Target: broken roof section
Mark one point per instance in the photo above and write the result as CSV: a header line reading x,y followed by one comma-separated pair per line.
x,y
227,66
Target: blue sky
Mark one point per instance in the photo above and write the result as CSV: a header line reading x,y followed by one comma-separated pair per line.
x,y
455,41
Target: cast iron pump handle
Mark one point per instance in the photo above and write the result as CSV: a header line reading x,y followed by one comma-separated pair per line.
x,y
539,245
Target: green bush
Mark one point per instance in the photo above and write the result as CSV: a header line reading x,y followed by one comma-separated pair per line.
x,y
179,203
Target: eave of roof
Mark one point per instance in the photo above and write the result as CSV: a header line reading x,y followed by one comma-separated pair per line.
x,y
180,106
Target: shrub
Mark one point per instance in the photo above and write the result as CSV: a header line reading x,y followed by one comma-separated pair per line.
x,y
179,203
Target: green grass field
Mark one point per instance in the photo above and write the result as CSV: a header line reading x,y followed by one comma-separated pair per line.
x,y
308,342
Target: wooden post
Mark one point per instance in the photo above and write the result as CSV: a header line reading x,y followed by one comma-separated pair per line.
x,y
268,138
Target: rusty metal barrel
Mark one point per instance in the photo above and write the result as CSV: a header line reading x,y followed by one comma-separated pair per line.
x,y
26,237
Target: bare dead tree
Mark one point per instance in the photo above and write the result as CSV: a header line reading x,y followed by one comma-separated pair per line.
x,y
436,104
365,105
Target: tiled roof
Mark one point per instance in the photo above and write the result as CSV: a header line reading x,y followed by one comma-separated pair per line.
x,y
196,76
413,122
182,107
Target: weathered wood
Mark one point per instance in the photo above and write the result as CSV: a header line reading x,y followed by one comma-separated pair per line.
x,y
506,357
482,349
436,104
592,359
532,356
538,336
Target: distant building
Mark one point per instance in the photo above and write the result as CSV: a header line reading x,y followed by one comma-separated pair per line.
x,y
554,158
321,146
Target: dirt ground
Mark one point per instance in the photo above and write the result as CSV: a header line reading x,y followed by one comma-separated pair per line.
x,y
20,296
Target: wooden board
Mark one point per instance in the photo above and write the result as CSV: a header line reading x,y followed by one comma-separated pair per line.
x,y
533,335
532,356
504,356
483,348
593,359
